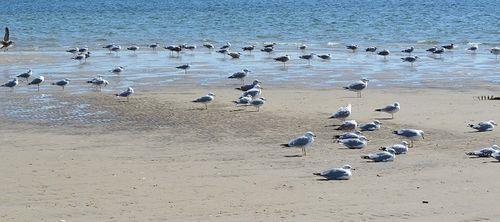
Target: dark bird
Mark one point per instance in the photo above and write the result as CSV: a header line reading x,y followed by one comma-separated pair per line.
x,y
371,49
269,45
11,84
431,49
384,53
247,87
352,47
6,42
307,57
226,46
154,46
283,59
25,75
473,48
249,48
410,59
209,46
449,47
240,75
61,83
184,67
133,48
127,93
408,50
37,81
267,49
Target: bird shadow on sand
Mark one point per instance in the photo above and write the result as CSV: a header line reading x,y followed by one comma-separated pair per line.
x,y
475,131
196,109
384,118
292,156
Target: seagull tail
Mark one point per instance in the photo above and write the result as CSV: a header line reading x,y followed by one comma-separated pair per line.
x,y
470,153
230,77
239,88
395,132
317,174
383,148
285,145
378,110
89,81
345,87
471,125
365,157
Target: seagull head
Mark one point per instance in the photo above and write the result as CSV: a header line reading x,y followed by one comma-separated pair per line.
x,y
377,122
310,134
211,94
246,70
404,143
347,167
495,147
396,104
365,80
262,98
492,122
422,134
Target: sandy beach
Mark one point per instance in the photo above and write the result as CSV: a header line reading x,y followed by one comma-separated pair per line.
x,y
160,158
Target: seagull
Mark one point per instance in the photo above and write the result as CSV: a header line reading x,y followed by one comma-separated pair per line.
x,y
371,49
257,103
208,46
268,50
73,50
249,86
226,46
352,47
410,134
495,51
234,55
117,70
115,48
154,46
484,126
98,81
410,59
133,48
184,67
37,81
81,57
249,48
353,143
484,152
109,46
473,48
449,47
408,50
325,56
348,125
25,75
307,57
61,83
173,48
391,109
303,47
240,75
496,155
283,59
302,142
244,100
206,99
358,86
381,156
11,84
223,51
188,47
351,135
399,148
343,173
342,113
127,93
254,92
375,125
384,53
83,50
438,51
432,49
269,45
6,42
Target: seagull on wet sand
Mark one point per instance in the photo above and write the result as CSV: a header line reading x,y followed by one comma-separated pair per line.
x,y
206,99
37,81
26,75
325,56
82,57
371,49
352,47
99,82
410,59
127,93
358,86
133,48
307,57
432,49
248,48
209,46
269,50
226,46
73,50
473,48
240,75
6,42
11,84
234,55
184,67
484,126
61,83
154,46
269,45
343,173
408,50
410,134
495,51
384,53
117,70
449,46
283,59
342,113
303,47
391,109
301,142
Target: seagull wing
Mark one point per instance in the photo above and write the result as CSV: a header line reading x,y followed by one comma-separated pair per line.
x,y
7,34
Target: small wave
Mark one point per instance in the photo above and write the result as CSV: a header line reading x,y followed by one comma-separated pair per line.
x,y
428,41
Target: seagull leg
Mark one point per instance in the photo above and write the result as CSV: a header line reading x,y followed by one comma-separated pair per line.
x,y
206,106
38,87
392,115
411,144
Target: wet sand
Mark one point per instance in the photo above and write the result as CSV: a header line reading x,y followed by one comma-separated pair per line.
x,y
159,157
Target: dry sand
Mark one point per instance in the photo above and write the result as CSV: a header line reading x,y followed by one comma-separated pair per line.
x,y
160,158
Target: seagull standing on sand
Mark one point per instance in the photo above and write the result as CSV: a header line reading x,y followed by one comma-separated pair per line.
x,y
353,143
37,81
26,75
484,152
410,59
301,142
484,126
307,57
410,134
206,99
348,125
249,86
283,59
11,84
399,148
240,75
254,92
408,50
384,53
133,48
352,47
61,83
375,125
127,93
358,86
184,67
343,173
6,42
391,109
342,113
257,103
381,156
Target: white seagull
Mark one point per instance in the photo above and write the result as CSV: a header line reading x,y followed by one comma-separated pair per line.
x,y
127,93
342,113
206,99
61,83
410,134
391,109
399,148
484,152
358,86
484,126
343,173
301,142
381,156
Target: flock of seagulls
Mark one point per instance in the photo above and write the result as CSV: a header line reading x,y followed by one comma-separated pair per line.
x,y
352,133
